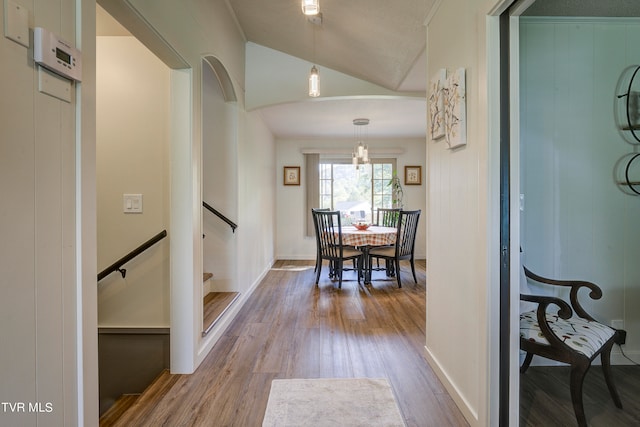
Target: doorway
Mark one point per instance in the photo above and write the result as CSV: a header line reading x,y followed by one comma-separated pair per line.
x,y
168,200
219,192
575,221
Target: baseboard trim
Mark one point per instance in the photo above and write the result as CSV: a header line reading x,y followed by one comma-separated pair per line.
x,y
469,413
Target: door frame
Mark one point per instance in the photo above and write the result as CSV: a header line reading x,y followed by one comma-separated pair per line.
x,y
503,62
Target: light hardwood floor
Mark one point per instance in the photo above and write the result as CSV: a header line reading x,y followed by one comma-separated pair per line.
x,y
289,328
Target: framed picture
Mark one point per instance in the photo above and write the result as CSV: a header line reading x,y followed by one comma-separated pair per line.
x,y
413,175
292,175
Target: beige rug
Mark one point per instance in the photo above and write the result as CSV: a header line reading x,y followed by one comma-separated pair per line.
x,y
293,268
329,402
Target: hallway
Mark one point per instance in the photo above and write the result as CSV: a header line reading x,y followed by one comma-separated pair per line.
x,y
290,329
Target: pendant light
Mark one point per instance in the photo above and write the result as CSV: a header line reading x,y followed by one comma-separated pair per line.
x,y
314,82
360,153
314,77
310,7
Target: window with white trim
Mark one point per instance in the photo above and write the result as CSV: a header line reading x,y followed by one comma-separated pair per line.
x,y
356,193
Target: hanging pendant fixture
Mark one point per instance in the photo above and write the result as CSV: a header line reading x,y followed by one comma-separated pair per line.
x,y
310,7
360,155
314,82
314,76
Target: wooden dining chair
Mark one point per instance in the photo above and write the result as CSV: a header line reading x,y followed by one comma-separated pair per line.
x,y
329,237
315,227
387,217
569,335
404,247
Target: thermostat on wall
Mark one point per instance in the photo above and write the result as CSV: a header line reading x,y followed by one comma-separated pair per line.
x,y
52,52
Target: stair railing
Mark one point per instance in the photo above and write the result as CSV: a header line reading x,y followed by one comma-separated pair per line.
x,y
117,266
232,224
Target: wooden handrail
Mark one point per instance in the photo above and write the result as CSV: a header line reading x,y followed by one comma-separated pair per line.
x,y
232,224
117,266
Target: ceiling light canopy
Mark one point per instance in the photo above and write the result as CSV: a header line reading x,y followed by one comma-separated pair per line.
x,y
310,7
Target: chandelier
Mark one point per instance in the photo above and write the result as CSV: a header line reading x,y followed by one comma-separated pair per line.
x,y
360,155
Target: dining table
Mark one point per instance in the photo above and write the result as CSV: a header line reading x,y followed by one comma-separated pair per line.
x,y
364,240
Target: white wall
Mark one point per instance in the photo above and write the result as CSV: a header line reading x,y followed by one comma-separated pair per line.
x,y
257,201
47,255
132,157
578,222
291,242
459,223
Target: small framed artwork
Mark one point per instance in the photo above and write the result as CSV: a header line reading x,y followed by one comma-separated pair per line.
x,y
292,175
413,175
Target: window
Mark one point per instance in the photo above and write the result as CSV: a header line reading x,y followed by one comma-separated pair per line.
x,y
355,193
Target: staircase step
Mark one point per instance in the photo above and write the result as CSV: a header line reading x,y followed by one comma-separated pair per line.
x,y
206,276
148,400
215,305
116,411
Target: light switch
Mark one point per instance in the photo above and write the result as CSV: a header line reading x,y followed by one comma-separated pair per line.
x,y
16,23
132,203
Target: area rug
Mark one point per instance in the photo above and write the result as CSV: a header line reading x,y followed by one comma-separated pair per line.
x,y
329,402
293,268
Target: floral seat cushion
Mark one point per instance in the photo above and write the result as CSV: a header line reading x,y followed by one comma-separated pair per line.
x,y
580,334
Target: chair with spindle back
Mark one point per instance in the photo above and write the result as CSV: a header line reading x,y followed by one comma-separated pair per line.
x,y
404,247
330,247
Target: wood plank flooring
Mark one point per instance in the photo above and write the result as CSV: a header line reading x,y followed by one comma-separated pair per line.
x,y
289,328
214,306
119,408
545,399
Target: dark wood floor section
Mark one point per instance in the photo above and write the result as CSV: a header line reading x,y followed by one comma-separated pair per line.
x,y
289,328
545,399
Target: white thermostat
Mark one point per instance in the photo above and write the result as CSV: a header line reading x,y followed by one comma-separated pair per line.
x,y
52,52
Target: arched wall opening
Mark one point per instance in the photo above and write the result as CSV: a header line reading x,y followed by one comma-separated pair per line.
x,y
219,184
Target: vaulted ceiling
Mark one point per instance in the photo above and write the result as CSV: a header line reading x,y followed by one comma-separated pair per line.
x,y
380,41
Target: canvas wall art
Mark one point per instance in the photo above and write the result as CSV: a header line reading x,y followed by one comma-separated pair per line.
x,y
455,119
436,105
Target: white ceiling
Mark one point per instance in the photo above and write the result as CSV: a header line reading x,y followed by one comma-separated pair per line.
x,y
379,41
374,40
